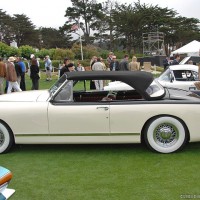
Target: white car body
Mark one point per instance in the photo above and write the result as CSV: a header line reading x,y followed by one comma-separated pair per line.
x,y
180,76
44,117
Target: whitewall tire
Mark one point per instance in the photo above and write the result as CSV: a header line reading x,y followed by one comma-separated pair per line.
x,y
6,138
165,134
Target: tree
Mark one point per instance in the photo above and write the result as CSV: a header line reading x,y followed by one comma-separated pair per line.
x,y
53,38
88,11
104,25
24,30
131,21
6,30
128,26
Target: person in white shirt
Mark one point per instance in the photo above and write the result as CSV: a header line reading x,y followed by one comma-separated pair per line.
x,y
80,68
98,66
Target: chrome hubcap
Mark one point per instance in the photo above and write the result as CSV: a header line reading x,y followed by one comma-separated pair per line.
x,y
2,138
166,135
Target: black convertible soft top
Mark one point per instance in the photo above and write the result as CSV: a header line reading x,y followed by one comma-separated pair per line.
x,y
139,80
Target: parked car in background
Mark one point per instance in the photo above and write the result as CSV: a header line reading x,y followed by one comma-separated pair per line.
x,y
180,76
69,112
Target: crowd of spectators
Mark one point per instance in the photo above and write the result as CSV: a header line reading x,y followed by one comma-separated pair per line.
x,y
12,72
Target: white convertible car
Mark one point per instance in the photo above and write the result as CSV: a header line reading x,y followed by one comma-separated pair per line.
x,y
164,119
180,76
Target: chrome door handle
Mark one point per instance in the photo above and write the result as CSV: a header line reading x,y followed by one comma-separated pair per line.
x,y
103,107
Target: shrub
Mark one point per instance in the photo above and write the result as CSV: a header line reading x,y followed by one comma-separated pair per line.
x,y
60,54
26,51
88,51
6,51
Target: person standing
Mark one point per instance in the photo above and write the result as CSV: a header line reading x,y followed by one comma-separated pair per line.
x,y
80,68
34,74
18,71
92,61
48,68
133,65
11,76
166,62
71,67
109,58
114,65
176,59
123,65
98,66
2,75
64,67
23,71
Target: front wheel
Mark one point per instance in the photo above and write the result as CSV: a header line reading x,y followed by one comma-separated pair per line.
x,y
6,138
165,134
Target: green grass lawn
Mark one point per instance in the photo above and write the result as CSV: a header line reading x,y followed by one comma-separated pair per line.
x,y
96,172
101,172
43,84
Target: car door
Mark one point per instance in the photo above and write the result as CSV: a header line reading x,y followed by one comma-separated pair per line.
x,y
126,118
78,118
69,117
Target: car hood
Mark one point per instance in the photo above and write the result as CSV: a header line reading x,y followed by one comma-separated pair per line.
x,y
25,96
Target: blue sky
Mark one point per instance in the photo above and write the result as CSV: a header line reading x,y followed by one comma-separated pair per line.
x,y
48,13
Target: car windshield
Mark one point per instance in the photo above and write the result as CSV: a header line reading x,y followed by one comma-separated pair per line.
x,y
165,76
57,84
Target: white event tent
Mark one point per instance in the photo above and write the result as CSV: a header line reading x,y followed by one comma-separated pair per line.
x,y
191,49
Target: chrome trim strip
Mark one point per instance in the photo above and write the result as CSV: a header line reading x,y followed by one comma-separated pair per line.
x,y
78,134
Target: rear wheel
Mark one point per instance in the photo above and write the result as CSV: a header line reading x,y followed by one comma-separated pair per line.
x,y
165,134
6,138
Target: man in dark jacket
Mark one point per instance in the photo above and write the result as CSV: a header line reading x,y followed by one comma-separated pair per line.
x,y
23,71
114,65
123,65
176,59
65,67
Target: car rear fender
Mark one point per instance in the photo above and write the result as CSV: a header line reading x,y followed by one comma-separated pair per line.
x,y
157,116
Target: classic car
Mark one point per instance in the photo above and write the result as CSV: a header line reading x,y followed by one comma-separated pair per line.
x,y
69,112
5,178
180,76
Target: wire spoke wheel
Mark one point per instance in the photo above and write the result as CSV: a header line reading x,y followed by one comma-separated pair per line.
x,y
6,138
2,138
165,134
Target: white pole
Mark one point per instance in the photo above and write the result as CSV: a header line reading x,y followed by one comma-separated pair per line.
x,y
80,39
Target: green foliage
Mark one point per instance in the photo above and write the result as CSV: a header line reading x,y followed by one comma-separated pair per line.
x,y
60,54
53,38
26,51
4,50
88,51
84,63
42,53
25,33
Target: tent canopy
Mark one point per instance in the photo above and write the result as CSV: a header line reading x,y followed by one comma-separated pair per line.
x,y
191,49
